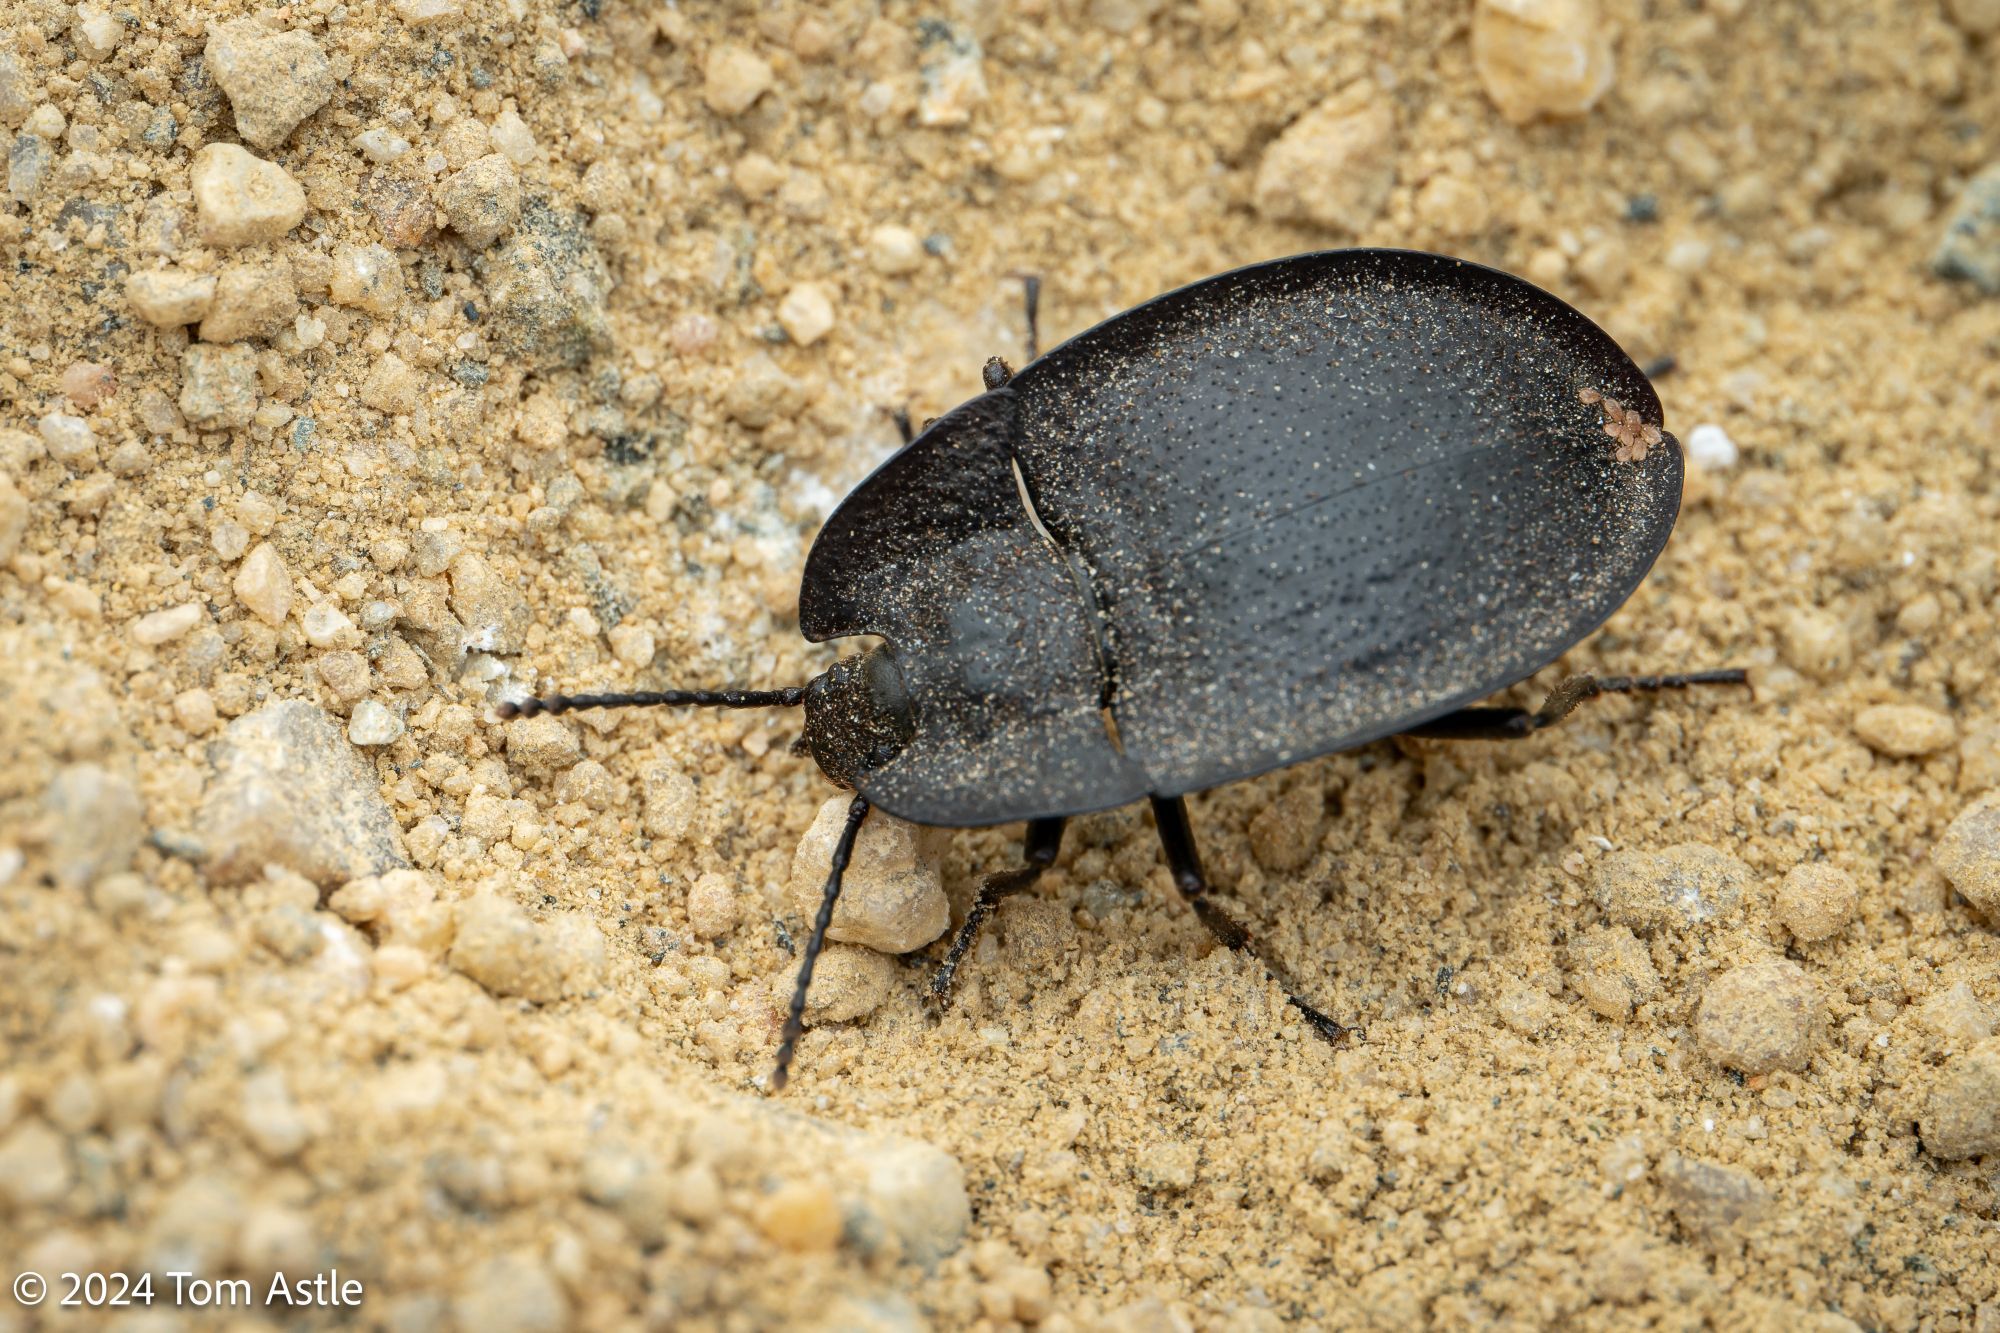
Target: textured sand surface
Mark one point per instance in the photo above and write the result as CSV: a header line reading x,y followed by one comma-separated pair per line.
x,y
362,364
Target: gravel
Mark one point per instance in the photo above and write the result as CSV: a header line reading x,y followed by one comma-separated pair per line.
x,y
505,950
240,199
1969,854
1963,1115
1816,901
1684,885
289,789
264,585
1333,166
892,898
1542,58
273,80
1759,1017
219,387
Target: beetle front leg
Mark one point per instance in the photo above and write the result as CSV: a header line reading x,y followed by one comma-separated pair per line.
x,y
1507,724
1170,819
1043,842
795,1016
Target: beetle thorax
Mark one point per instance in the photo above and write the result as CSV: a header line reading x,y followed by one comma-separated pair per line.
x,y
858,716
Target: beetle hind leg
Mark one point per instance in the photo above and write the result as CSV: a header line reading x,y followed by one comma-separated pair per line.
x,y
1506,724
1043,842
1170,817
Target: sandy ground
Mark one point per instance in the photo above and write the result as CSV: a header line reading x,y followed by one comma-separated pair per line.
x,y
481,1014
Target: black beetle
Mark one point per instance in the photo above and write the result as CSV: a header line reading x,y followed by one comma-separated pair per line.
x,y
1281,512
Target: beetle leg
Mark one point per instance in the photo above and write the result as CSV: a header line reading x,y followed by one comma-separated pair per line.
x,y
795,1019
1170,819
997,372
1031,301
1044,840
1506,724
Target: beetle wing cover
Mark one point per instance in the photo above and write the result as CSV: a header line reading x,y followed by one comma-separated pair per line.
x,y
1324,499
936,553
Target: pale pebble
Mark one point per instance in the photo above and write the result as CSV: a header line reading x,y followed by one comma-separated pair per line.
x,y
1816,901
1710,448
1962,1118
502,948
1759,1017
289,789
1684,885
1542,57
1969,855
327,626
166,625
892,898
1905,730
252,298
806,313
240,199
273,80
380,146
633,645
542,745
69,440
96,821
512,139
1333,166
366,277
895,250
219,388
733,78
264,584
482,199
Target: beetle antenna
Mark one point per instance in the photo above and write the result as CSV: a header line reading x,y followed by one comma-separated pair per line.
x,y
789,697
795,1018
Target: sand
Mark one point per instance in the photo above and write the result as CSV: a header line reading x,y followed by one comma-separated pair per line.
x,y
581,319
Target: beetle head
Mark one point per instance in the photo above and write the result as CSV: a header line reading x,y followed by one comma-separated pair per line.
x,y
858,716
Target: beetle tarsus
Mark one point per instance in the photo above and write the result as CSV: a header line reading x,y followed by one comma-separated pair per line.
x,y
795,1017
1506,724
1031,301
1042,844
1170,819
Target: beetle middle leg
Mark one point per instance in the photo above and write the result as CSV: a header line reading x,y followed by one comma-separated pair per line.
x,y
1170,818
1506,724
1043,842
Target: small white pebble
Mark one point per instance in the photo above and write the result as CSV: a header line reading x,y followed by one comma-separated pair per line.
x,y
512,139
230,540
45,122
1710,448
895,250
69,439
327,626
380,145
373,724
195,710
632,645
806,313
165,626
